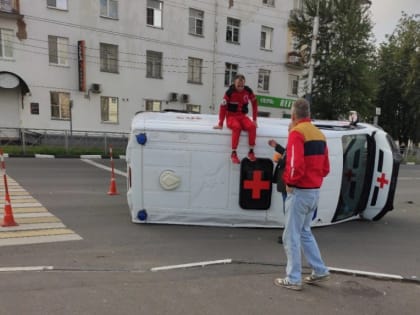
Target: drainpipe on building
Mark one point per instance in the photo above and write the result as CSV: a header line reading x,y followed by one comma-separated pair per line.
x,y
213,93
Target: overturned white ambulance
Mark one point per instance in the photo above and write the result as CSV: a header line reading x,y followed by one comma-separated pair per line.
x,y
179,172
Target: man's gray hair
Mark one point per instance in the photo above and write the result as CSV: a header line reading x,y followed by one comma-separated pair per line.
x,y
300,108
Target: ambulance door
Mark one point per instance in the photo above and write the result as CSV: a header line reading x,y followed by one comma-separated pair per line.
x,y
356,179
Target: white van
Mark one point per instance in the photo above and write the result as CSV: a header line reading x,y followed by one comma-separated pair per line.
x,y
179,172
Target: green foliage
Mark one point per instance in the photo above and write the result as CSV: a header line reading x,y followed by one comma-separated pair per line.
x,y
398,75
343,76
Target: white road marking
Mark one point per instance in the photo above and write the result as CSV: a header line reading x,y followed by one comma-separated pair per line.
x,y
366,273
191,265
27,268
104,167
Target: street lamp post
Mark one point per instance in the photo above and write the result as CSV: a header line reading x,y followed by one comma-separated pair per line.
x,y
312,55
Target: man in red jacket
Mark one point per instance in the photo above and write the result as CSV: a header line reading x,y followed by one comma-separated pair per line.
x,y
307,164
234,108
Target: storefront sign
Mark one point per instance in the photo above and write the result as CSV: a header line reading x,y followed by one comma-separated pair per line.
x,y
81,55
274,102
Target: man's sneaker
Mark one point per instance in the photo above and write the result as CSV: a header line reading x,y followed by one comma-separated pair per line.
x,y
313,278
234,158
251,156
285,283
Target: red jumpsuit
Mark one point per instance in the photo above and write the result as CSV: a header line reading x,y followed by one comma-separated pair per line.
x,y
235,109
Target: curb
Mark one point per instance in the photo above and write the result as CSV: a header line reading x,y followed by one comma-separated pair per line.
x,y
50,156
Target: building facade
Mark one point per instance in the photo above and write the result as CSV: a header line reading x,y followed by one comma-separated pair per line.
x,y
91,65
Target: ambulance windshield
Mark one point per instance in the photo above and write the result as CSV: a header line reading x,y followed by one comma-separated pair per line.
x,y
355,177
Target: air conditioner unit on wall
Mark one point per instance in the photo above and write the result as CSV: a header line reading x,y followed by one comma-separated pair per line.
x,y
95,88
173,97
185,98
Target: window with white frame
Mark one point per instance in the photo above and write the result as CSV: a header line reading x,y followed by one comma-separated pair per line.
x,y
60,105
269,3
293,85
109,9
263,80
109,58
154,13
195,66
232,30
231,70
191,108
154,64
266,37
109,109
6,43
196,22
153,106
58,50
57,4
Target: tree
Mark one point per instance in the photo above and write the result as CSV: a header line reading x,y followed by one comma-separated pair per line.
x,y
343,76
398,73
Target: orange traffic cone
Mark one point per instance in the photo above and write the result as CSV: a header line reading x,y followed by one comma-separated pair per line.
x,y
112,187
8,219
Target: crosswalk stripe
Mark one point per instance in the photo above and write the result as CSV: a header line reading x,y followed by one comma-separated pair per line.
x,y
35,223
29,233
39,239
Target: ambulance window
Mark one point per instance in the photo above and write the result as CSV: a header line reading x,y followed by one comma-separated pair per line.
x,y
355,170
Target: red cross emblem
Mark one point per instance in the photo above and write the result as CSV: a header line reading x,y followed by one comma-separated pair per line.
x,y
349,174
382,181
257,184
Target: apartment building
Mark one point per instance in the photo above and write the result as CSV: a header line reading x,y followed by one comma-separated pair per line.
x,y
92,64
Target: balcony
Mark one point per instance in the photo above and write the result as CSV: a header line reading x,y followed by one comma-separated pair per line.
x,y
295,60
9,7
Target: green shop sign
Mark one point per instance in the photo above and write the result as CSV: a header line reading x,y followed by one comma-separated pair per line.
x,y
274,102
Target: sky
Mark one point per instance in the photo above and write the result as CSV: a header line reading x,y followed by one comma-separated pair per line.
x,y
386,13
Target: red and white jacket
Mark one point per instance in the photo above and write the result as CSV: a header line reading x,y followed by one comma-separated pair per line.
x,y
307,160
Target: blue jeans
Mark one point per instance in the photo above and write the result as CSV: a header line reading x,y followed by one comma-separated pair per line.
x,y
297,236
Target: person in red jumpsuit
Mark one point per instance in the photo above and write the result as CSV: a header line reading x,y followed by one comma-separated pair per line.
x,y
234,108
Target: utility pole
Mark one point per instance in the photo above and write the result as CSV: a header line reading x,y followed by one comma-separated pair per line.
x,y
315,30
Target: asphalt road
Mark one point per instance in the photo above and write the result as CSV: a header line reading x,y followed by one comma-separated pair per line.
x,y
109,270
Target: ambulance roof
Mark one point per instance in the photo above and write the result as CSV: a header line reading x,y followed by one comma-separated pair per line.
x,y
203,123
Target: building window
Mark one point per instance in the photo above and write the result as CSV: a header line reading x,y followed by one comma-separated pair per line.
x,y
232,30
153,106
231,70
109,109
266,37
191,108
196,22
57,4
109,58
269,3
263,80
293,84
60,105
195,66
154,13
58,50
6,43
154,64
109,9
